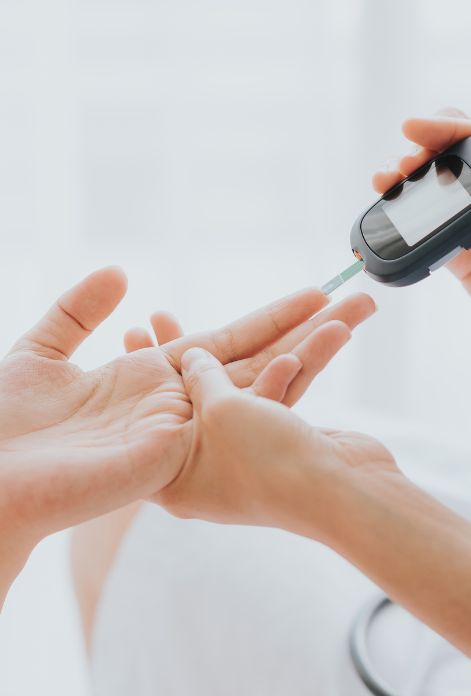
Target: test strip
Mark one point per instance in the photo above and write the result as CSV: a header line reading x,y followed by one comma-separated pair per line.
x,y
342,278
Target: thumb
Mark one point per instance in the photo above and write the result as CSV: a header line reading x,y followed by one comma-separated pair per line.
x,y
75,315
205,378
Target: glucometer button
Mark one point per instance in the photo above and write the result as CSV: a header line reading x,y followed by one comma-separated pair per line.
x,y
445,259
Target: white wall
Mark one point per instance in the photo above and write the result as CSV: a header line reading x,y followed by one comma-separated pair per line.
x,y
220,152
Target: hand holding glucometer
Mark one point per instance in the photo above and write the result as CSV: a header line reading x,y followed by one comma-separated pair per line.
x,y
423,220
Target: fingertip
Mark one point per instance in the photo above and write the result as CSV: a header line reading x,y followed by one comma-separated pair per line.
x,y
415,128
294,359
382,181
411,125
367,302
316,351
342,330
116,277
193,356
96,296
408,164
136,339
292,364
333,333
116,270
277,376
166,327
161,314
315,297
326,298
377,182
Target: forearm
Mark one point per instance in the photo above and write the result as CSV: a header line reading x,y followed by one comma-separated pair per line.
x,y
418,551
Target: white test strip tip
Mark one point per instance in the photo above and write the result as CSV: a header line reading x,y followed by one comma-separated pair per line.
x,y
342,278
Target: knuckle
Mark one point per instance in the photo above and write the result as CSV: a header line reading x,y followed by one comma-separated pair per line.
x,y
273,316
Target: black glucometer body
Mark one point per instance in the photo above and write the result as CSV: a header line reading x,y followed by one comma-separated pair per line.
x,y
419,224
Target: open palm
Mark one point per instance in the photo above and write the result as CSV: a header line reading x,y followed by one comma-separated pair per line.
x,y
87,442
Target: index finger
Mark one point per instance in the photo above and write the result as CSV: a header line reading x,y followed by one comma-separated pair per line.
x,y
248,335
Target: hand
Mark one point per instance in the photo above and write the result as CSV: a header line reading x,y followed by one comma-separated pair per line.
x,y
75,445
252,460
432,135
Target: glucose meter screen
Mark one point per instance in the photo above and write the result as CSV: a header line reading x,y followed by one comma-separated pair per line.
x,y
426,204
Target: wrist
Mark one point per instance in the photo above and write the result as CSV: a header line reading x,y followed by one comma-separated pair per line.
x,y
307,492
329,499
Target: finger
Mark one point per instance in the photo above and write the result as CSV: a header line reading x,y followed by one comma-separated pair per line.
x,y
204,377
432,135
250,334
275,379
382,181
75,315
166,327
409,163
136,339
437,132
352,311
315,352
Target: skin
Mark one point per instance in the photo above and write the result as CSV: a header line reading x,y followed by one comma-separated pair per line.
x,y
75,444
254,462
95,543
266,466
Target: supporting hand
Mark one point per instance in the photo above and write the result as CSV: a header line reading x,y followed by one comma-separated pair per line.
x,y
252,461
250,458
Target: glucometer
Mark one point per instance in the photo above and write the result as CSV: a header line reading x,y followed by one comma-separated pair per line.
x,y
418,225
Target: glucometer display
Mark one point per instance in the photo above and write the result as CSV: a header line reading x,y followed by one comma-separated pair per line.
x,y
418,208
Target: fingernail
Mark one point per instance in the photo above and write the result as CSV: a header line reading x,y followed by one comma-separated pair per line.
x,y
193,356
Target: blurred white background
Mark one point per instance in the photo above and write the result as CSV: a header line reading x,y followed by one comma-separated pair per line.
x,y
220,151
